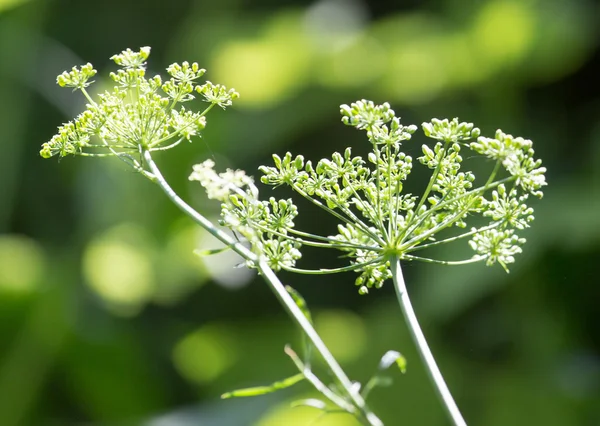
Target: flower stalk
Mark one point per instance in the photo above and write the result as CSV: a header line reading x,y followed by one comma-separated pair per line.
x,y
418,337
358,405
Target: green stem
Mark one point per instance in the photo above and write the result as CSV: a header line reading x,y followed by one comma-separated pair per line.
x,y
391,212
331,242
164,148
488,185
366,211
128,159
352,220
316,382
432,180
444,262
378,198
354,267
88,97
361,409
422,237
415,330
91,154
177,133
450,239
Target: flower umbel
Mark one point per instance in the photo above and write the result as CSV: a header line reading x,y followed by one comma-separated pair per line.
x,y
379,220
77,78
139,113
497,246
265,224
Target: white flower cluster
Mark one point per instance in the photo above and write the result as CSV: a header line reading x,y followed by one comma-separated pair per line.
x,y
140,113
265,224
378,220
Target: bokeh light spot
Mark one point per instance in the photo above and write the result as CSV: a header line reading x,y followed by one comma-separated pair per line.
x,y
343,332
7,4
356,64
414,74
459,61
117,266
504,31
181,272
284,414
205,354
267,70
21,264
333,24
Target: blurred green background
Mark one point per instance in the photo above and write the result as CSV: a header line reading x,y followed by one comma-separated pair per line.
x,y
106,316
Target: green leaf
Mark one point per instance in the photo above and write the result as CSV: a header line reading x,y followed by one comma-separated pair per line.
x,y
310,402
380,379
210,252
300,302
263,390
390,358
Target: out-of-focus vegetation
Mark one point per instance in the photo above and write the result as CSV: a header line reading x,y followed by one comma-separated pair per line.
x,y
107,317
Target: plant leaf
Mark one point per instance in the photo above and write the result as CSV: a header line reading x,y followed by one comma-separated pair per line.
x,y
301,303
390,358
310,402
210,252
262,390
380,378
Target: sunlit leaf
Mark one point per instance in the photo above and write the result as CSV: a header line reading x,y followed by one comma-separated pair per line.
x,y
262,390
210,252
310,402
390,358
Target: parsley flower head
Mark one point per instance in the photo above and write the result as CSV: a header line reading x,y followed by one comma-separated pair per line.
x,y
139,113
380,220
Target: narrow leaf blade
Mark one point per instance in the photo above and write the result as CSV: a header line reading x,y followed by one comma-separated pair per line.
x,y
263,390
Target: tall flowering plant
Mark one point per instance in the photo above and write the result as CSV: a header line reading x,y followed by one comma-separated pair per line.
x,y
380,224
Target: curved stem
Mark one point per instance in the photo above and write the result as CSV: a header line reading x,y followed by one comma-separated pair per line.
x,y
445,262
324,271
352,219
391,212
378,197
332,242
194,215
415,330
432,180
164,148
450,239
452,219
361,409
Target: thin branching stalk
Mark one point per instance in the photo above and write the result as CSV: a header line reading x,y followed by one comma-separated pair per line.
x,y
352,220
362,411
423,348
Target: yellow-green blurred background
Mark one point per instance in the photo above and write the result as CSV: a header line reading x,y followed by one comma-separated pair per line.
x,y
106,316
